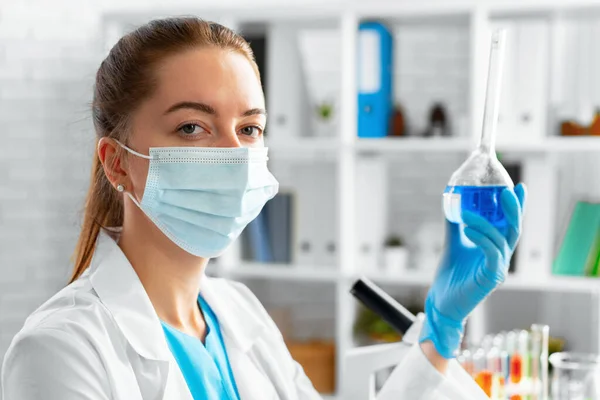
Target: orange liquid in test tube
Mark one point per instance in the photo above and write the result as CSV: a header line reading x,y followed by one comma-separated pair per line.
x,y
516,368
484,380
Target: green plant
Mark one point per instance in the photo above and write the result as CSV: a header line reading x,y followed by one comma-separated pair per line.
x,y
394,241
325,110
368,324
555,345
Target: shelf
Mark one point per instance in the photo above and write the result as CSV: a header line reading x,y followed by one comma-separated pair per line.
x,y
306,273
520,7
413,144
573,144
286,272
327,148
554,145
414,11
559,284
302,148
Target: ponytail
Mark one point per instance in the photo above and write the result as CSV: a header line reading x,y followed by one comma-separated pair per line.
x,y
103,209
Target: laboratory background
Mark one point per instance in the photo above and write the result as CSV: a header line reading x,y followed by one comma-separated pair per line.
x,y
372,106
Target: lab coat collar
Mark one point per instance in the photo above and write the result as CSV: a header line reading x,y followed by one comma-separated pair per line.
x,y
237,315
121,291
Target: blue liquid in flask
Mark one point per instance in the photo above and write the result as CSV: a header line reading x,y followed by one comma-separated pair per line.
x,y
482,200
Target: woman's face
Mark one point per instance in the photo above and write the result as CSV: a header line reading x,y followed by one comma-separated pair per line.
x,y
205,98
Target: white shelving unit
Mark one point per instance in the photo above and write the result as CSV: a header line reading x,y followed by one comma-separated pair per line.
x,y
296,273
308,273
344,150
408,145
317,148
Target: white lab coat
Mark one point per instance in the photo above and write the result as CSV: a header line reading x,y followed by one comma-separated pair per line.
x,y
100,338
413,377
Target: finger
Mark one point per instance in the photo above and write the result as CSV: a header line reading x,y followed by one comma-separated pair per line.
x,y
452,233
495,267
485,227
512,211
521,192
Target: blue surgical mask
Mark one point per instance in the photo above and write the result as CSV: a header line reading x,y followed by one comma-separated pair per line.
x,y
202,198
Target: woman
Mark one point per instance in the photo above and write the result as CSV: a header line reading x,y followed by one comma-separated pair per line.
x,y
180,170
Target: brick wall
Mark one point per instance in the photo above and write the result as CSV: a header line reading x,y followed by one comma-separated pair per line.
x,y
48,57
416,184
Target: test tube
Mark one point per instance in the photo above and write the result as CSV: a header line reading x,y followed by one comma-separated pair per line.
x,y
481,373
524,347
524,344
500,344
505,365
493,360
487,342
467,361
500,340
511,343
461,360
539,361
516,359
479,361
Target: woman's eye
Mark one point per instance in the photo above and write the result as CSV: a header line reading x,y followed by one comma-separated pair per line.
x,y
191,129
253,131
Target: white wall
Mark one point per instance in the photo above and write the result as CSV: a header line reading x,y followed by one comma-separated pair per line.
x,y
48,58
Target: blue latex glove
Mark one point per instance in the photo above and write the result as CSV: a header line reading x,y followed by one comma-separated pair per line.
x,y
467,274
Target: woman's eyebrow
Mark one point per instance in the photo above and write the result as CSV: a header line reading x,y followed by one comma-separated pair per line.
x,y
255,111
202,107
207,109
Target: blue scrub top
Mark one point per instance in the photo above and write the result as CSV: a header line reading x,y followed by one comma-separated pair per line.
x,y
205,367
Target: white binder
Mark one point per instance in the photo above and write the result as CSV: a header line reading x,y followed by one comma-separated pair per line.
x,y
524,98
371,211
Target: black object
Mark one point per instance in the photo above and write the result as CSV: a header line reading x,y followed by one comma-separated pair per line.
x,y
258,44
258,41
438,121
275,233
382,304
514,171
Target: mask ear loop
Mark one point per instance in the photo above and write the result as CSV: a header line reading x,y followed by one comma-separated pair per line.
x,y
135,153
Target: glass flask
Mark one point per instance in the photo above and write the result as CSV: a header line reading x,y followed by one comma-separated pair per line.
x,y
575,376
477,184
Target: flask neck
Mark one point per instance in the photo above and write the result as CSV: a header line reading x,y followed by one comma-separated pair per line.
x,y
487,142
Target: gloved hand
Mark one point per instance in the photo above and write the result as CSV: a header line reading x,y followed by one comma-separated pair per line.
x,y
467,274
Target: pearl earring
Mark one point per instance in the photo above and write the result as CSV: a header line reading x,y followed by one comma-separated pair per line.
x,y
120,187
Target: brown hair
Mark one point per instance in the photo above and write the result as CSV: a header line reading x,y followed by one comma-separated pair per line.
x,y
124,79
